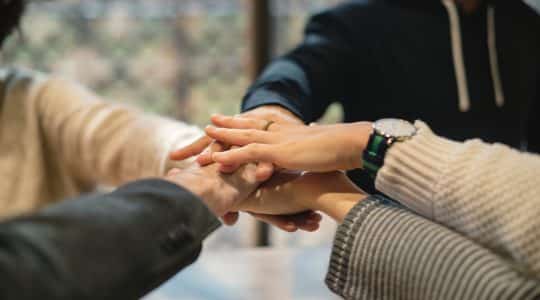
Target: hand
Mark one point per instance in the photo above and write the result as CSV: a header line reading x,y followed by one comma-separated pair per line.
x,y
332,193
319,148
279,115
223,192
206,146
306,221
220,192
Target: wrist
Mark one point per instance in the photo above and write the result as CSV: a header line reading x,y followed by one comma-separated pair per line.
x,y
360,135
340,199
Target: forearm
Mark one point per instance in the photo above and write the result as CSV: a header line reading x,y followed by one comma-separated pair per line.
x,y
100,142
308,78
115,246
338,202
384,251
487,192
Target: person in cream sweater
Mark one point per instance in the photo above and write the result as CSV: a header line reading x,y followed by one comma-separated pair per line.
x,y
58,140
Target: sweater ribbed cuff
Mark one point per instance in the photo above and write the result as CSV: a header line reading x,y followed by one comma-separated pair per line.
x,y
344,241
412,169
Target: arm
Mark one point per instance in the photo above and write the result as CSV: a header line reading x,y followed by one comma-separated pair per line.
x,y
115,246
489,193
307,79
383,251
100,142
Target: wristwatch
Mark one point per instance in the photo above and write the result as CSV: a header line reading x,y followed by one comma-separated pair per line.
x,y
385,133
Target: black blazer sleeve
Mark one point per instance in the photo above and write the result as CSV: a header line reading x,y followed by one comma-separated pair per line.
x,y
310,77
114,246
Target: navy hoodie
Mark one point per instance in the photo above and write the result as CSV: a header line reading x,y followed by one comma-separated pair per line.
x,y
467,75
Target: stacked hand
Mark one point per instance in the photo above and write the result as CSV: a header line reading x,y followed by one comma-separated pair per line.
x,y
285,143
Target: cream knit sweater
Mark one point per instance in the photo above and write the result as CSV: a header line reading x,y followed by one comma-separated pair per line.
x,y
488,193
57,140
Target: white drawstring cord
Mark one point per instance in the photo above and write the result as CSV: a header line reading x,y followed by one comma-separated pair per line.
x,y
457,53
493,60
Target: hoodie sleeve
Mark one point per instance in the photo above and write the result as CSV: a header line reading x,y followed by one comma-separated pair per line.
x,y
310,77
533,135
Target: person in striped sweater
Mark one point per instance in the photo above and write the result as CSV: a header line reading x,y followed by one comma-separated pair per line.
x,y
464,222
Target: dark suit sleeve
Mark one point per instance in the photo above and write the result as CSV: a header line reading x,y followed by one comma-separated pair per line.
x,y
115,246
310,77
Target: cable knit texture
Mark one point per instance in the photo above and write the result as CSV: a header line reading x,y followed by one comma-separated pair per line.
x,y
57,140
487,192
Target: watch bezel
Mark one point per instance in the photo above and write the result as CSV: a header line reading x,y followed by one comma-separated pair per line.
x,y
380,129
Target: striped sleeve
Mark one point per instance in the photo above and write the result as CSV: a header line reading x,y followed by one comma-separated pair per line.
x,y
382,251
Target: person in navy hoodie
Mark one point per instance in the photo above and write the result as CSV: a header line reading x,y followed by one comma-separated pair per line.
x,y
469,68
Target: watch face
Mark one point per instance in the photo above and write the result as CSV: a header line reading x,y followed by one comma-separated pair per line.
x,y
395,128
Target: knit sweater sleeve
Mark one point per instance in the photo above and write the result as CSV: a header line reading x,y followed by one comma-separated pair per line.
x,y
383,251
487,192
106,143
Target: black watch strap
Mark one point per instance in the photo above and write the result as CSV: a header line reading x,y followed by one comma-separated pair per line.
x,y
373,155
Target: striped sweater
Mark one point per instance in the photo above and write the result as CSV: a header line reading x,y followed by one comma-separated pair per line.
x,y
471,230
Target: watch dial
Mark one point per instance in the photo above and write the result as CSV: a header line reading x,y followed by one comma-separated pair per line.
x,y
395,128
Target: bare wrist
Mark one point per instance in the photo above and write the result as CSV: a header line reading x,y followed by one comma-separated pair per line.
x,y
337,201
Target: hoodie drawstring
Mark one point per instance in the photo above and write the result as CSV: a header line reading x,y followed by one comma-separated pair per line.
x,y
457,53
493,59
459,63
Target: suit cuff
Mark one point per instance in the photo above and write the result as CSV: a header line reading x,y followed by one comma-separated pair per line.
x,y
203,221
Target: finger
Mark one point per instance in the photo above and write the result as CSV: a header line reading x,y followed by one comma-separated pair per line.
x,y
264,171
307,221
230,219
228,169
238,137
238,122
280,222
191,150
206,157
247,154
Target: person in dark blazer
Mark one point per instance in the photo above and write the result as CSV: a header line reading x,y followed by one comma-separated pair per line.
x,y
119,245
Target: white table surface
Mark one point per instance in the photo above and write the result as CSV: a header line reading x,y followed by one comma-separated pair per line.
x,y
260,273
